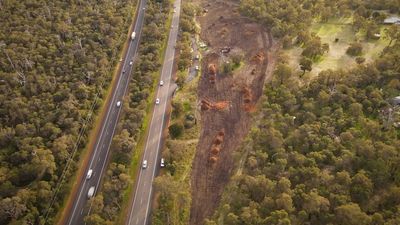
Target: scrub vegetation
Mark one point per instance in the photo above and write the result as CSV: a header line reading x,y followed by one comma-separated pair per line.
x,y
56,62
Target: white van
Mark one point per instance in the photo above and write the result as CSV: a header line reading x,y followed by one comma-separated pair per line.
x,y
89,174
118,103
162,163
90,192
144,165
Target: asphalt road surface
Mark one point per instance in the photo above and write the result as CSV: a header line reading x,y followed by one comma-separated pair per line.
x,y
98,159
140,210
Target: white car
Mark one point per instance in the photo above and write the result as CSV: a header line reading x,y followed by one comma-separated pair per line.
x,y
157,101
90,192
174,10
162,163
120,59
196,67
130,63
144,164
89,174
144,8
118,103
161,83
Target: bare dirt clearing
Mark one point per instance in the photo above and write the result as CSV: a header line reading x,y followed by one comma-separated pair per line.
x,y
226,100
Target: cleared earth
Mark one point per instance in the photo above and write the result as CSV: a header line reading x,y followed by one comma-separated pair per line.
x,y
226,100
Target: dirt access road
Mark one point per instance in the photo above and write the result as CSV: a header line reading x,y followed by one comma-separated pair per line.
x,y
226,101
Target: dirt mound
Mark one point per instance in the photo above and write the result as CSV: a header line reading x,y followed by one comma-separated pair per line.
x,y
212,73
213,159
207,105
212,69
215,150
247,99
258,58
216,146
218,140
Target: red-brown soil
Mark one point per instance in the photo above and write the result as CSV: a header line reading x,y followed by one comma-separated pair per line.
x,y
222,131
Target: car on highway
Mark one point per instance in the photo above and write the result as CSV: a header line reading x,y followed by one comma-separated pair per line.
x,y
90,192
161,83
118,103
89,174
130,63
144,164
162,163
157,101
144,8
123,71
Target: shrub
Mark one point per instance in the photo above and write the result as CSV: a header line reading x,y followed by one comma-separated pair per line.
x,y
355,49
175,130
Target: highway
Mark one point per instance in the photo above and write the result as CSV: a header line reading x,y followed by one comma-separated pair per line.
x,y
98,159
141,204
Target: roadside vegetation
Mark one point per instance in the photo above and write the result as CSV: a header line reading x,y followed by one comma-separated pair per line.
x,y
188,31
172,187
326,150
108,204
57,58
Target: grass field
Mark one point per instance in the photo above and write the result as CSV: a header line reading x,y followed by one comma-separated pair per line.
x,y
337,58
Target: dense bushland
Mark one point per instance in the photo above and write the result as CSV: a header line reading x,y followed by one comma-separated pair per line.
x,y
56,57
324,152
